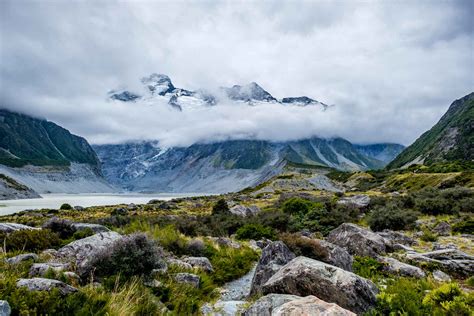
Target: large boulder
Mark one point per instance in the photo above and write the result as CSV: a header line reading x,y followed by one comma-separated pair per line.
x,y
200,263
304,276
273,257
21,258
5,309
311,305
452,261
396,267
11,227
336,256
265,305
397,237
82,250
442,229
96,228
41,284
244,211
358,241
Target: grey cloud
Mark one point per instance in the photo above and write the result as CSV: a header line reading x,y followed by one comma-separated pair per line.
x,y
391,68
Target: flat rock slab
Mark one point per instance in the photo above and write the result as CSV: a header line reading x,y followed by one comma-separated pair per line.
x,y
11,227
304,276
311,305
41,284
40,269
20,258
396,267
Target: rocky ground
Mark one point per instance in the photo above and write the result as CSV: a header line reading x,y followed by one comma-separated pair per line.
x,y
287,247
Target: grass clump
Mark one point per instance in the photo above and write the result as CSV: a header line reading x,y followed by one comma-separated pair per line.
x,y
304,246
368,268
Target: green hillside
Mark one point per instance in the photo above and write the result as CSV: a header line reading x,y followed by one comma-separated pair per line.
x,y
27,140
451,139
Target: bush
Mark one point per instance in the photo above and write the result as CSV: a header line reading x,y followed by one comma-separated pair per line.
x,y
367,267
255,231
296,205
304,246
434,206
66,206
448,299
465,226
30,240
391,217
428,236
230,263
62,227
220,207
131,255
470,281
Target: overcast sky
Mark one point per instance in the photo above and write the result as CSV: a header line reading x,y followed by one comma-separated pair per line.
x,y
391,68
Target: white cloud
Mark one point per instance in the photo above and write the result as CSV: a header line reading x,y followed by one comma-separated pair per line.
x,y
391,68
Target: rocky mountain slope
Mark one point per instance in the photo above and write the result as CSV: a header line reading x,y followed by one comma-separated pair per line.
x,y
384,152
46,157
221,167
451,139
12,190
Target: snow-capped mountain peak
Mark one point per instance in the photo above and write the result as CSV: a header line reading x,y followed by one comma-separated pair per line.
x,y
249,92
158,84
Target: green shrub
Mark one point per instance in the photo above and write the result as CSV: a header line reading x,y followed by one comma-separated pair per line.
x,y
465,226
30,240
296,205
448,299
220,207
434,206
304,246
62,227
230,263
470,281
403,296
65,206
391,217
128,256
429,236
368,268
255,231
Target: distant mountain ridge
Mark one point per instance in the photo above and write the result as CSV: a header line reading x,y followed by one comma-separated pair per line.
x,y
451,139
159,87
221,167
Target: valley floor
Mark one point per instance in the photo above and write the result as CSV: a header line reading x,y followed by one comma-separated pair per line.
x,y
306,241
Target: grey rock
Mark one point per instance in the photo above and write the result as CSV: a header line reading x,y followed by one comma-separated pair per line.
x,y
442,229
78,208
336,256
396,267
41,284
438,246
131,207
305,276
238,289
188,278
262,243
180,263
396,247
358,241
397,237
273,257
449,260
11,227
202,263
440,276
96,228
119,211
265,305
244,211
226,242
311,305
359,201
5,309
81,251
40,269
21,258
